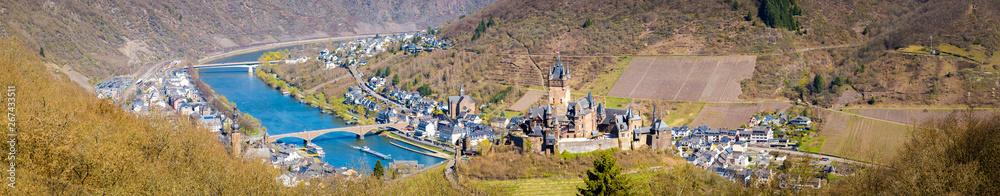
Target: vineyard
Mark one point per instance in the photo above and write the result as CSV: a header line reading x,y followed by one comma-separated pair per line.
x,y
861,138
713,79
732,115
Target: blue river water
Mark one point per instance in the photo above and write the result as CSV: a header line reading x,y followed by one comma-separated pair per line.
x,y
282,114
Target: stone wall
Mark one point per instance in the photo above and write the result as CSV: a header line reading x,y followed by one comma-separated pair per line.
x,y
587,146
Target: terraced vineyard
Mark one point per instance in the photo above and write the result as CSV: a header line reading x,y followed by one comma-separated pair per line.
x,y
861,138
517,71
732,115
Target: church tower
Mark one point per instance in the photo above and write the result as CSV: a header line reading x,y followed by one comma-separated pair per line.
x,y
559,86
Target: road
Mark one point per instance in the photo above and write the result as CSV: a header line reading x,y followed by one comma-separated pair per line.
x,y
361,83
129,92
279,44
815,155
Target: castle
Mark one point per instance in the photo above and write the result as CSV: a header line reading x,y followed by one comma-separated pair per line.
x,y
583,125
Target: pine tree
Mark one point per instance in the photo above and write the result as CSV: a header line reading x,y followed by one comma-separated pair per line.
x,y
379,171
41,51
818,84
605,178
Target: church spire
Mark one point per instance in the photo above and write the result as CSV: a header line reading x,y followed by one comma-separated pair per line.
x,y
461,89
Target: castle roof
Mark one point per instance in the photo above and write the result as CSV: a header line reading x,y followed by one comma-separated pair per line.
x,y
559,72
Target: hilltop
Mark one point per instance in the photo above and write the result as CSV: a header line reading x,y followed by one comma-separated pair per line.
x,y
104,38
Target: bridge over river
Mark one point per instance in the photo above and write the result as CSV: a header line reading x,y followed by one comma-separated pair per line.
x,y
360,130
249,65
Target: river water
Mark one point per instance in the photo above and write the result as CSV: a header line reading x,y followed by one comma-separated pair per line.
x,y
283,114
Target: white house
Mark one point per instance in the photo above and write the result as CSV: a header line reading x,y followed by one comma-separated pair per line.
x,y
427,129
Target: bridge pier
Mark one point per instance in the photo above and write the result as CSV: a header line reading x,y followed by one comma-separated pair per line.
x,y
250,70
305,143
361,137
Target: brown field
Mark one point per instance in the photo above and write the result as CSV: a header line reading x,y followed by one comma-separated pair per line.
x,y
732,115
861,138
529,98
913,116
708,79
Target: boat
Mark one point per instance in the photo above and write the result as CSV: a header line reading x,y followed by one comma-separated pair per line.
x,y
376,154
315,149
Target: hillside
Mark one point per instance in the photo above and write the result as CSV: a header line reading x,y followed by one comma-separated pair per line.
x,y
69,142
858,42
103,38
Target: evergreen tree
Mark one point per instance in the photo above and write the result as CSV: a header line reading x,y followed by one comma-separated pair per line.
x,y
41,51
749,16
606,178
587,23
818,84
379,171
395,79
778,13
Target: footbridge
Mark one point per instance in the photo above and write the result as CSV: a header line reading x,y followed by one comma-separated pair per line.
x,y
360,130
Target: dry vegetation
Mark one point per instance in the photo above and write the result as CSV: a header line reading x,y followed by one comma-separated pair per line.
x,y
507,163
879,67
948,156
102,38
72,143
861,138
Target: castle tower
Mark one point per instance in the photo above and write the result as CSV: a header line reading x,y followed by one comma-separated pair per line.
x,y
558,84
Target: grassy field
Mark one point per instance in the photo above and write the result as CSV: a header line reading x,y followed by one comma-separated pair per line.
x,y
915,49
683,113
813,144
976,55
861,138
616,102
606,80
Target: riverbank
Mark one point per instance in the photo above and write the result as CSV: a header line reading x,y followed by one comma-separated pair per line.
x,y
436,154
396,137
337,108
253,48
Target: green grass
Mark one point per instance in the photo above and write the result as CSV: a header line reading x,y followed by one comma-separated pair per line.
x,y
603,83
685,113
567,155
812,144
915,49
975,55
616,102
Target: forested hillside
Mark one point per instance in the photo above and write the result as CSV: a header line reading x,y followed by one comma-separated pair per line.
x,y
110,37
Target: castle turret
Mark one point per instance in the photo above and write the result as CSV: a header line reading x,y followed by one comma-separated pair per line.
x,y
558,84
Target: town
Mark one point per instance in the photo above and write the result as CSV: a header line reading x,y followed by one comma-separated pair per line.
x,y
558,124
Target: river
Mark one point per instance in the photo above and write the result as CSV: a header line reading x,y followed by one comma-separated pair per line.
x,y
283,114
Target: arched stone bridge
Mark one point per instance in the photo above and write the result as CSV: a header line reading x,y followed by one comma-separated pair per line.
x,y
360,130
